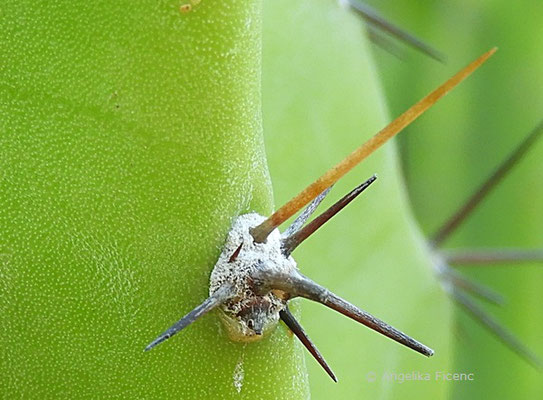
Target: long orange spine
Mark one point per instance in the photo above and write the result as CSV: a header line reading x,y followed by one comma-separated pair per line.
x,y
261,232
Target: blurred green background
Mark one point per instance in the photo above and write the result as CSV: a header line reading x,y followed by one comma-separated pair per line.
x,y
444,156
456,146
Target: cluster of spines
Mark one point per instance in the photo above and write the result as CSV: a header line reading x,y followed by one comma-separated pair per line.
x,y
295,284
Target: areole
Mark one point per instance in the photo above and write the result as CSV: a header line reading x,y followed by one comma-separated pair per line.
x,y
255,276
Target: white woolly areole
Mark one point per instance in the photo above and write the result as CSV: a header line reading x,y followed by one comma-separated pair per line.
x,y
239,271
